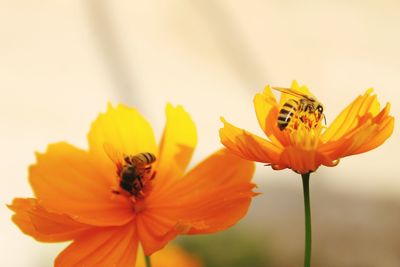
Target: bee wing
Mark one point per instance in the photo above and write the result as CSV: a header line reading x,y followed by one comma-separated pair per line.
x,y
115,155
292,92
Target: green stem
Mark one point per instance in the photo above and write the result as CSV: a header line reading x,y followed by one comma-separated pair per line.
x,y
307,212
147,260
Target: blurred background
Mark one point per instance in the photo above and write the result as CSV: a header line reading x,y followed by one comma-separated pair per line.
x,y
62,61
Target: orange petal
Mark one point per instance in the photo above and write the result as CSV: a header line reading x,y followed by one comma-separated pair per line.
x,y
155,228
383,132
67,180
104,246
211,197
304,161
348,119
124,129
177,145
370,137
42,225
370,133
247,145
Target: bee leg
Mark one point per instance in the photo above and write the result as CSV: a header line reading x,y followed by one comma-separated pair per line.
x,y
115,190
153,175
133,199
115,193
140,181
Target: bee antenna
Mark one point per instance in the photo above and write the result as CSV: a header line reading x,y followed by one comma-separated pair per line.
x,y
325,119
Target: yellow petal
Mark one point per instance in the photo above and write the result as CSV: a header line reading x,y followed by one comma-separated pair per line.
x,y
104,246
43,225
177,145
299,89
247,145
124,129
171,256
264,104
348,119
66,180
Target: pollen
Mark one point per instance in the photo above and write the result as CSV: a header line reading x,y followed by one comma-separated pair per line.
x,y
305,120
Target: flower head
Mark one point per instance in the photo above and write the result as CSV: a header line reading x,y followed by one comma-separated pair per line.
x,y
108,206
297,137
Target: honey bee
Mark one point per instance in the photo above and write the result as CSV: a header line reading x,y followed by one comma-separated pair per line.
x,y
134,171
304,104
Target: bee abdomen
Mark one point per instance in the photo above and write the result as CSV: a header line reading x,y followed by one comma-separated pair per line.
x,y
146,157
286,113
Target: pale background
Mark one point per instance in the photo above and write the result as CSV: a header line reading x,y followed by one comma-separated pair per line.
x,y
62,61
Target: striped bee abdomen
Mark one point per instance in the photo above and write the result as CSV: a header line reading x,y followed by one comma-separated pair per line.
x,y
286,113
146,157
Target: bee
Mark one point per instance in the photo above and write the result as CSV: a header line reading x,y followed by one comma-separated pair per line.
x,y
303,104
133,171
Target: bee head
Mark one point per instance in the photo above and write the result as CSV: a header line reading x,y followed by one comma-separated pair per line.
x,y
320,110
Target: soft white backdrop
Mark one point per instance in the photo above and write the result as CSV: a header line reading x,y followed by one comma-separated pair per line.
x,y
62,61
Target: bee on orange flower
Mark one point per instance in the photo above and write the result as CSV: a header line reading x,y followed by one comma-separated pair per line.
x,y
301,108
134,171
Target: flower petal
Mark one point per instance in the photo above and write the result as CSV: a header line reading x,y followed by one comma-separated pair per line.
x,y
369,133
103,246
42,225
171,256
68,180
303,161
295,86
370,136
177,145
155,228
382,132
247,145
265,105
124,129
348,118
211,197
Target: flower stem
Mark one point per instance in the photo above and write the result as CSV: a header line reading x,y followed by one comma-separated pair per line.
x,y
307,213
147,260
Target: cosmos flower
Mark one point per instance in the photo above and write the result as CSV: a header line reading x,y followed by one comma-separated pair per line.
x,y
305,143
78,193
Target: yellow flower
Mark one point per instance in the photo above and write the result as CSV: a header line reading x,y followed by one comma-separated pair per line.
x,y
171,256
80,195
305,144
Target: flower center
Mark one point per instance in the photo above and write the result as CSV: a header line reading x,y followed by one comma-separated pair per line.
x,y
304,130
306,120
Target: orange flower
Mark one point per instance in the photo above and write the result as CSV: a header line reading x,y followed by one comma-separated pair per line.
x,y
79,198
305,144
